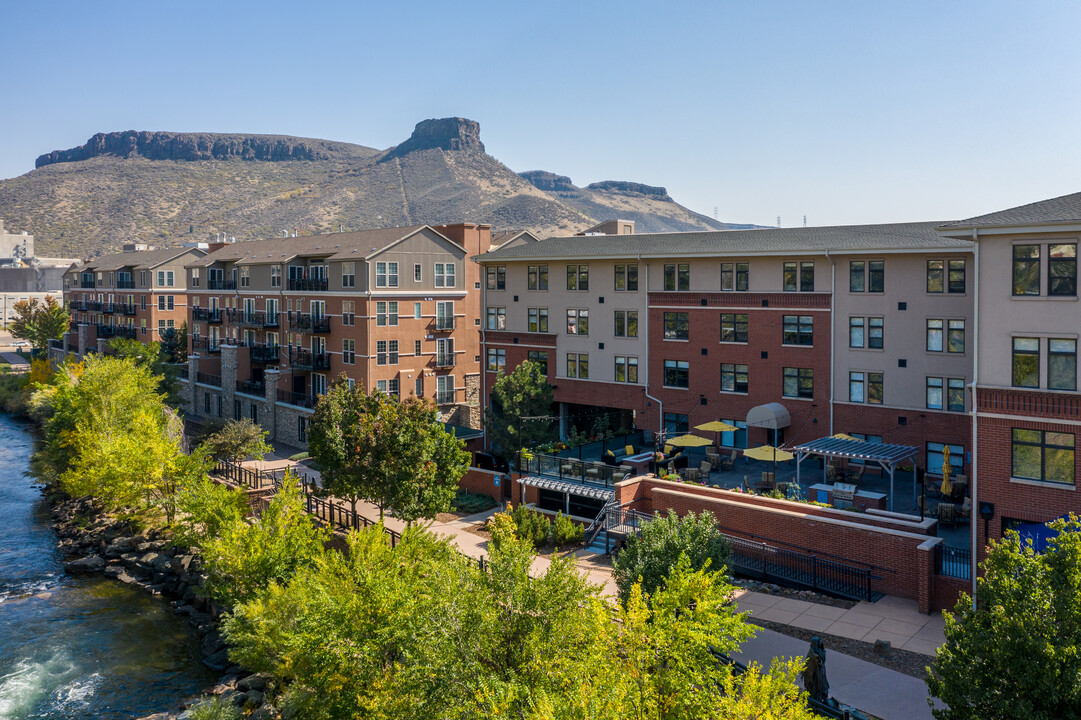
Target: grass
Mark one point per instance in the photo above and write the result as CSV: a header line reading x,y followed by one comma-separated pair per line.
x,y
471,503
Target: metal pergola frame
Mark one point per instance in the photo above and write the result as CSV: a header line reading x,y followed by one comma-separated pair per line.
x,y
887,456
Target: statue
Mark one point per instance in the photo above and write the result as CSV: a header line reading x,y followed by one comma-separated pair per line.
x,y
814,672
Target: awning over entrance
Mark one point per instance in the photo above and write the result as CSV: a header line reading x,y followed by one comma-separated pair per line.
x,y
772,416
887,456
569,488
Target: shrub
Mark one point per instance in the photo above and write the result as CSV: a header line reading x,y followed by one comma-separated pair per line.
x,y
299,456
533,527
214,709
566,532
467,502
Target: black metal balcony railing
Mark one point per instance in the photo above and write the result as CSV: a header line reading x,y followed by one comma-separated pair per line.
x,y
212,284
208,379
252,319
93,306
295,398
127,332
106,331
270,320
444,397
125,284
251,387
80,306
210,315
263,353
444,323
309,323
302,359
444,360
126,309
312,284
108,308
207,345
214,317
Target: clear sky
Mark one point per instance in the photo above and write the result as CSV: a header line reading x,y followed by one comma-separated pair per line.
x,y
846,112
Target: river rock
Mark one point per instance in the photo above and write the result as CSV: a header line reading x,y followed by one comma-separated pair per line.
x,y
113,571
86,565
218,661
257,681
212,642
119,547
265,712
255,696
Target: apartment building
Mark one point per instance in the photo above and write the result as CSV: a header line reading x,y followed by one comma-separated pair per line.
x,y
1028,408
274,322
859,329
135,295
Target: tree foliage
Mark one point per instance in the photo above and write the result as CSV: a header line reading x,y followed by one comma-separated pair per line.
x,y
396,455
237,440
174,343
1018,654
39,322
152,357
650,557
525,392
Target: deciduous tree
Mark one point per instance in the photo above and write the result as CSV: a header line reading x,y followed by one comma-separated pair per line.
x,y
237,440
39,322
523,393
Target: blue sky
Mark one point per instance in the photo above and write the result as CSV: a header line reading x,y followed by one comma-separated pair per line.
x,y
845,112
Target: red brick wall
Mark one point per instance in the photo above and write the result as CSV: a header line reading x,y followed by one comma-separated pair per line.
x,y
482,482
945,591
922,426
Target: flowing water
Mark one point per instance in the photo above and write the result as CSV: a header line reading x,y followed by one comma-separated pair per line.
x,y
74,647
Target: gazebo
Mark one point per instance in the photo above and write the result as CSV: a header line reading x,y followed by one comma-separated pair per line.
x,y
888,457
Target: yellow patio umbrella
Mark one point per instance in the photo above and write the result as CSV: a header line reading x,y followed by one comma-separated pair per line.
x,y
946,488
768,452
688,441
717,426
845,436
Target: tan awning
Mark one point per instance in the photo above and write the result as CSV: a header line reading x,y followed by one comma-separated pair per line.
x,y
772,416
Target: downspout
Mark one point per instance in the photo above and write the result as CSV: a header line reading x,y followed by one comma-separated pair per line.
x,y
975,380
833,340
660,405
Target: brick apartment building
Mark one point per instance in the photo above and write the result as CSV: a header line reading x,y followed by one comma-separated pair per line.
x,y
273,322
1028,409
133,295
862,329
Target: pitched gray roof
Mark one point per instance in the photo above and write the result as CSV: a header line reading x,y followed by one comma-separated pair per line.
x,y
339,246
838,238
1061,209
144,259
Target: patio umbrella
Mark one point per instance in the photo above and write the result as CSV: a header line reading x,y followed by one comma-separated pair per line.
x,y
716,426
688,441
845,436
946,488
768,452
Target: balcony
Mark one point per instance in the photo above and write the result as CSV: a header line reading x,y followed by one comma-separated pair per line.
x,y
214,317
109,308
308,284
106,331
308,323
79,306
444,397
207,344
444,323
294,398
263,353
87,284
126,309
444,360
208,315
270,320
208,379
251,387
301,359
93,306
125,284
214,284
127,332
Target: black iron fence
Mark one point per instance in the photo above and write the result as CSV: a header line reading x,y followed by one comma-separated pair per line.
x,y
315,284
208,379
953,562
309,323
248,477
791,567
251,387
294,398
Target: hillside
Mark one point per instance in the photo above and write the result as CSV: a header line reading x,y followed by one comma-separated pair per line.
x,y
166,188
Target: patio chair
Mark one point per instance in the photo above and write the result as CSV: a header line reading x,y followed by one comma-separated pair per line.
x,y
857,475
766,484
833,473
728,462
705,469
947,513
964,513
713,457
691,474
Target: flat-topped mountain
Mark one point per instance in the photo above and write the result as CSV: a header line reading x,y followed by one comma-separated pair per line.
x,y
168,187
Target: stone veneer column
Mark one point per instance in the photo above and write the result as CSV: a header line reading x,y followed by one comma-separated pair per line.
x,y
102,344
191,395
228,377
269,419
83,331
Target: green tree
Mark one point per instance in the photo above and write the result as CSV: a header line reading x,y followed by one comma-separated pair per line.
x,y
395,454
237,440
1017,654
649,558
174,343
39,322
523,393
150,355
206,508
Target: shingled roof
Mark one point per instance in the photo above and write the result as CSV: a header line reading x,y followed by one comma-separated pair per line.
x,y
763,241
140,260
1066,208
336,246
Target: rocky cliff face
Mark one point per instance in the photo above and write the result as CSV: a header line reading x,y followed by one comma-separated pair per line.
x,y
548,181
196,146
622,186
445,134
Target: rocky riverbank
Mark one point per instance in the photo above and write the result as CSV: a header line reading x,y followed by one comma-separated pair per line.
x,y
98,543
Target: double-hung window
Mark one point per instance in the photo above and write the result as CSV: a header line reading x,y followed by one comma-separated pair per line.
x,y
799,276
497,318
1026,269
626,323
541,358
865,387
798,330
578,365
677,277
798,383
954,332
626,369
275,276
733,378
734,327
386,313
1061,364
497,359
577,322
538,320
626,277
1026,362
349,274
537,277
677,326
677,373
1062,270
578,277
386,274
444,275
867,276
496,277
1043,455
348,312
245,276
946,276
735,276
349,351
